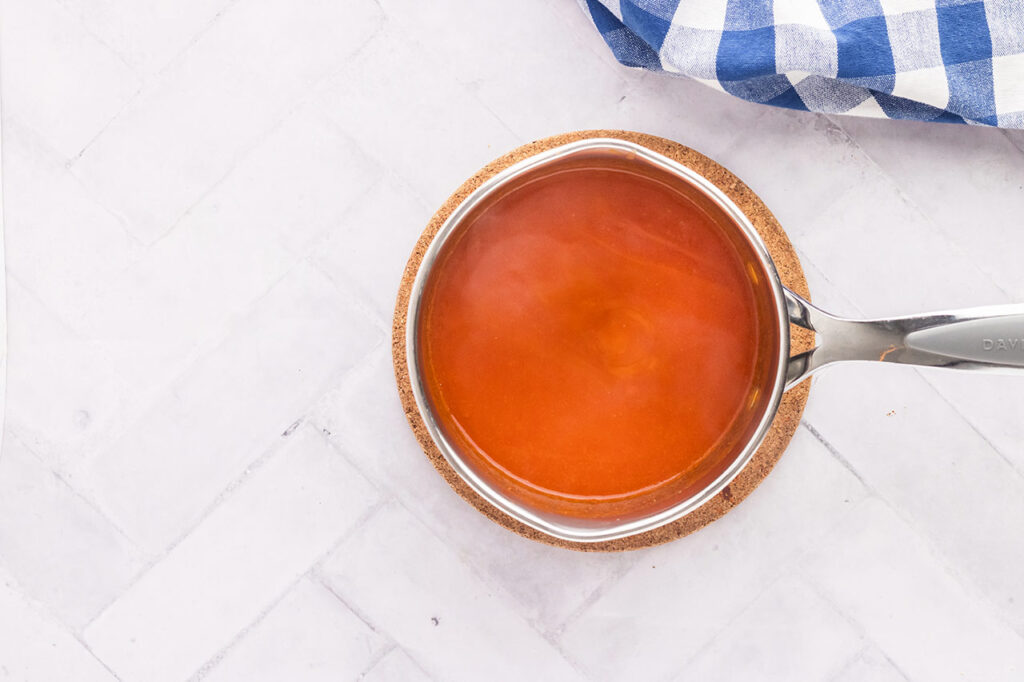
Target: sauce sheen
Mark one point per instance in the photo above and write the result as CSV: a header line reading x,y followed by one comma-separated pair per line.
x,y
592,334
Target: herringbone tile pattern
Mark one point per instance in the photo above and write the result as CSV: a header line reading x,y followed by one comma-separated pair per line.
x,y
206,472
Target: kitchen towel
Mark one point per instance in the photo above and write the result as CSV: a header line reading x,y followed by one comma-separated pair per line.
x,y
953,61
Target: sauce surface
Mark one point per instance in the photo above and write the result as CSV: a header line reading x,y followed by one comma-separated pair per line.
x,y
592,334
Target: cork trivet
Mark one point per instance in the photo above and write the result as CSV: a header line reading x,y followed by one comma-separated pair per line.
x,y
793,401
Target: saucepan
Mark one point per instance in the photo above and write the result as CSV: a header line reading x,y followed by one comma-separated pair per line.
x,y
985,338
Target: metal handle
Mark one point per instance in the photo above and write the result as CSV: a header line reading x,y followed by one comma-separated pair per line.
x,y
989,338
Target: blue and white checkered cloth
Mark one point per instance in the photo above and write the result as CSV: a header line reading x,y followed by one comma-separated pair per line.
x,y
955,61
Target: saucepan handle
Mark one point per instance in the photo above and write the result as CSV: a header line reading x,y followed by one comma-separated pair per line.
x,y
988,338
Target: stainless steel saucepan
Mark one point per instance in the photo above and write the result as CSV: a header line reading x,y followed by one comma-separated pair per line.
x,y
988,338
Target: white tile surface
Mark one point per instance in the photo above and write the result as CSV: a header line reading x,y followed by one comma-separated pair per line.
x,y
34,646
62,390
181,297
502,28
651,613
61,550
159,478
396,667
59,79
883,575
187,129
147,35
972,210
365,418
434,606
206,470
789,617
912,448
386,93
265,534
871,664
43,200
371,242
309,635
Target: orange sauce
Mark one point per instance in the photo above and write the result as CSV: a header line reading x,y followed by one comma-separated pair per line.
x,y
596,333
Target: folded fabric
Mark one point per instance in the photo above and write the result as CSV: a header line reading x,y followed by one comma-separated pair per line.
x,y
953,61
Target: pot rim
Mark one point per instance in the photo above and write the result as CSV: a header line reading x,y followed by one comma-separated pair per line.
x,y
589,530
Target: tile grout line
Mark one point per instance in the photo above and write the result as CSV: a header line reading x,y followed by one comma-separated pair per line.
x,y
196,37
783,562
357,298
836,454
69,164
317,575
591,39
728,624
721,157
792,559
216,658
857,625
117,54
910,201
593,598
1019,145
359,293
847,666
554,635
85,645
353,291
462,86
147,81
964,581
37,138
1002,455
788,559
415,192
301,99
58,473
120,58
78,493
500,590
226,493
921,373
211,343
30,292
45,611
894,666
378,655
817,589
215,343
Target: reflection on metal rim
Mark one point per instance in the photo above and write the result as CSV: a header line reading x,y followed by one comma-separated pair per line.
x,y
588,530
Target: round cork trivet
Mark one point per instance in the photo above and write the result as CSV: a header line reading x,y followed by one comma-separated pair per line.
x,y
786,420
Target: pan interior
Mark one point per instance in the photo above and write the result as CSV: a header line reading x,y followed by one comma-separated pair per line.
x,y
597,340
